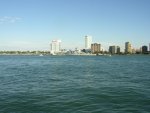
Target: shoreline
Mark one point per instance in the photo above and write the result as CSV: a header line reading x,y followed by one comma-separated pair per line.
x,y
74,55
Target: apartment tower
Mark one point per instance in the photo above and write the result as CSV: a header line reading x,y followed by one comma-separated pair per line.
x,y
88,42
128,49
96,48
55,46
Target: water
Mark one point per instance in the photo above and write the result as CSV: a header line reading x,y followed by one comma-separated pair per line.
x,y
74,84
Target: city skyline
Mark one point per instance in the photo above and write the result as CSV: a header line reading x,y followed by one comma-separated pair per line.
x,y
32,24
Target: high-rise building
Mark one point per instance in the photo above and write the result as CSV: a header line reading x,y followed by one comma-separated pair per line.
x,y
55,46
149,47
133,51
96,48
88,42
144,49
118,50
112,49
128,49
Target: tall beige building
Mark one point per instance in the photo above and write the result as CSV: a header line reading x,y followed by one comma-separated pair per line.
x,y
96,48
128,49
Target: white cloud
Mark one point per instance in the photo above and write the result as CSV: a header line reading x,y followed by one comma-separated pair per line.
x,y
9,19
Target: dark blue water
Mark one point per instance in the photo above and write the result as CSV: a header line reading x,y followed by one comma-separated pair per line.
x,y
74,84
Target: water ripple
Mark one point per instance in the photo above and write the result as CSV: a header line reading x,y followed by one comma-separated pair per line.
x,y
74,84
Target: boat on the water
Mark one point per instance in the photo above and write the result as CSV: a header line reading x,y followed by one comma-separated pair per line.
x,y
41,55
104,55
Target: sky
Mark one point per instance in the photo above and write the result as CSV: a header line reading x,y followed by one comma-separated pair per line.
x,y
33,24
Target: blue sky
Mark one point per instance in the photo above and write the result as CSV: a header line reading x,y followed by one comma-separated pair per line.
x,y
32,24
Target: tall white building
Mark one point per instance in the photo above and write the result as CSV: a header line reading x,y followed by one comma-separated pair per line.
x,y
88,42
55,46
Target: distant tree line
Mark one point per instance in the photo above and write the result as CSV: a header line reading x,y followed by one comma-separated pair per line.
x,y
24,52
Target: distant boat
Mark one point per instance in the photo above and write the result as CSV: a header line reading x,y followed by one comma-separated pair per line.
x,y
41,55
104,55
108,55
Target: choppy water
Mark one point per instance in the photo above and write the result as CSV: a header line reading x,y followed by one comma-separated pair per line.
x,y
74,84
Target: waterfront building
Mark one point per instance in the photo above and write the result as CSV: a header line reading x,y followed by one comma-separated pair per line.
x,y
88,42
112,49
138,51
128,49
149,47
96,48
77,51
118,50
144,49
133,51
55,46
86,50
